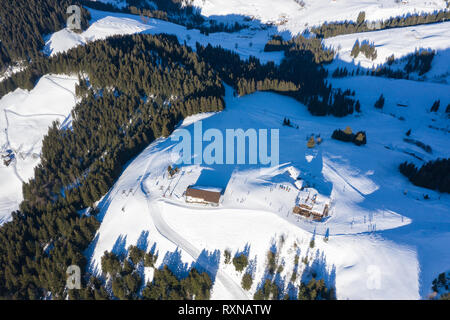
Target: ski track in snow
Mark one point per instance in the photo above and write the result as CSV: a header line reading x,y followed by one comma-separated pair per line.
x,y
23,128
151,208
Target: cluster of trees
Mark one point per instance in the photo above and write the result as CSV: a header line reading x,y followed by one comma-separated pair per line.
x,y
133,89
441,285
341,72
23,22
299,45
300,75
213,26
268,291
419,61
138,88
124,277
316,290
169,10
347,136
433,175
247,281
240,262
166,286
311,290
333,29
368,49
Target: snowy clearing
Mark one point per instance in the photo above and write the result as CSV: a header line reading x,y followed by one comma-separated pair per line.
x,y
398,42
24,120
147,208
386,241
297,15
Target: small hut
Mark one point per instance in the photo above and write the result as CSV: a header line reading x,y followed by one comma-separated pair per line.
x,y
311,143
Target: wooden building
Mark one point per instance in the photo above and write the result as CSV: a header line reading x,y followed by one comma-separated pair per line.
x,y
205,195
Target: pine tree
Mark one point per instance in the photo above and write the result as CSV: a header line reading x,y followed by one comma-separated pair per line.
x,y
435,106
380,102
355,50
361,18
358,106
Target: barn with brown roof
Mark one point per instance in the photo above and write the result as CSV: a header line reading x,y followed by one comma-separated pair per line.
x,y
205,195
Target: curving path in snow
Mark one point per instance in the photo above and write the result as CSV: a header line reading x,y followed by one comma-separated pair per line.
x,y
237,293
26,116
166,231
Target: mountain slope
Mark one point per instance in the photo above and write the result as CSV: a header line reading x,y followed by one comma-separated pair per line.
x,y
296,15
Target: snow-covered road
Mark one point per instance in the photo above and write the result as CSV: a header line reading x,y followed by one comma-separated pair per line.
x,y
234,289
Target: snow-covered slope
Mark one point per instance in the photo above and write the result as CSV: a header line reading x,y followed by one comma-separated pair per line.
x,y
297,15
103,24
255,215
24,120
367,193
398,42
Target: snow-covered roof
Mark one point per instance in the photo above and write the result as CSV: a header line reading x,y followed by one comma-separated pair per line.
x,y
207,188
313,200
293,172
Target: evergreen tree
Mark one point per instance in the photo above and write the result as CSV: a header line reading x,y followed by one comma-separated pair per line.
x,y
355,50
435,106
379,104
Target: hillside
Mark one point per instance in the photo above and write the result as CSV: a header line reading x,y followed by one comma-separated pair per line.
x,y
90,168
296,15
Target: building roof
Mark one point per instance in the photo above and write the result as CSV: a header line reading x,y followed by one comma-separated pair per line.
x,y
205,193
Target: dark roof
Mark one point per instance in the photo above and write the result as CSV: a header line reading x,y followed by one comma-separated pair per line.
x,y
206,195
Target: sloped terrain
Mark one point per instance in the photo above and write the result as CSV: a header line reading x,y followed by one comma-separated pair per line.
x,y
367,196
384,238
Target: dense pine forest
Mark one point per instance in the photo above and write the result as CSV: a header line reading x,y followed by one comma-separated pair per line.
x,y
301,75
418,62
133,89
169,10
333,29
433,175
24,22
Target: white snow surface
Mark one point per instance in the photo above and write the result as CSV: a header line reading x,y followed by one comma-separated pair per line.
x,y
24,120
295,16
104,24
383,243
250,42
386,241
398,42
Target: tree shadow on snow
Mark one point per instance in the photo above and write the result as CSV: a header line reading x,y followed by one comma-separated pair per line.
x,y
317,269
206,262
